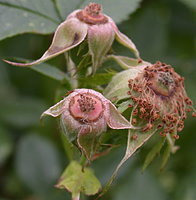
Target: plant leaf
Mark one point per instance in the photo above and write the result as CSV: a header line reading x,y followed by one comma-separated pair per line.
x,y
48,70
6,145
37,163
35,16
77,179
152,154
132,146
166,156
118,87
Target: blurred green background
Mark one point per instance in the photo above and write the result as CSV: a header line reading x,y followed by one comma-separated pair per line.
x,y
32,155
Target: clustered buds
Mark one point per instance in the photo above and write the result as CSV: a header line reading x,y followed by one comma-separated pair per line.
x,y
159,99
86,113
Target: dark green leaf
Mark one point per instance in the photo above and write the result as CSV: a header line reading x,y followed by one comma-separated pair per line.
x,y
35,16
47,70
97,79
153,153
22,113
118,11
5,145
166,155
37,163
190,3
139,186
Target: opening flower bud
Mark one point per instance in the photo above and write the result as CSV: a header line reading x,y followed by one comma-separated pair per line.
x,y
84,115
88,24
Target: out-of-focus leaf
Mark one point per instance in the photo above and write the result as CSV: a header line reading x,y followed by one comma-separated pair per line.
x,y
190,3
37,163
166,155
153,46
118,11
5,145
77,180
152,154
47,70
139,186
27,16
132,146
21,112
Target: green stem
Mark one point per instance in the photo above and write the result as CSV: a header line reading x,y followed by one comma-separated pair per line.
x,y
76,197
68,147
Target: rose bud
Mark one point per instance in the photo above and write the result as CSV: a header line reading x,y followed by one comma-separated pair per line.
x,y
155,93
84,115
88,24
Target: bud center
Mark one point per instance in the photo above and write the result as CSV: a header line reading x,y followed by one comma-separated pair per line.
x,y
86,108
163,83
92,14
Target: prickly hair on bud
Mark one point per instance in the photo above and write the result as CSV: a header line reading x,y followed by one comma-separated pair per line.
x,y
85,115
156,97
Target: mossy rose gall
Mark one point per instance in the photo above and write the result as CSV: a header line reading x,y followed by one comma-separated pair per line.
x,y
86,114
89,24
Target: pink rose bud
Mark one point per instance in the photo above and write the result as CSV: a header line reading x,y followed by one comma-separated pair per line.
x,y
84,114
89,24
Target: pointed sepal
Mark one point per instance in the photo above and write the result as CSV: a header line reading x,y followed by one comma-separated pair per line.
x,y
55,110
68,35
115,120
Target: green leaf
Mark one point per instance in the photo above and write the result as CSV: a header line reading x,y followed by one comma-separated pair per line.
x,y
118,87
190,3
21,112
152,154
24,16
124,105
166,156
118,11
139,186
51,72
97,79
37,163
5,145
47,70
76,180
132,146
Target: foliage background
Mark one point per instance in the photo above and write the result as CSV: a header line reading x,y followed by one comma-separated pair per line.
x,y
32,156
